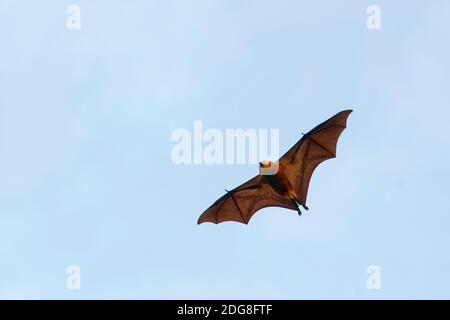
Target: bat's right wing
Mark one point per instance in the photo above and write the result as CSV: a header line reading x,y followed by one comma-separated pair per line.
x,y
314,147
241,203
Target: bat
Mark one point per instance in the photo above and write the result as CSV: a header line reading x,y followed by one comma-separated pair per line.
x,y
283,183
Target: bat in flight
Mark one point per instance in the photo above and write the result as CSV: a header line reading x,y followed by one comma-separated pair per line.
x,y
283,183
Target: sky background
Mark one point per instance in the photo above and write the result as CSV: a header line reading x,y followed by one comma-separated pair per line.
x,y
86,176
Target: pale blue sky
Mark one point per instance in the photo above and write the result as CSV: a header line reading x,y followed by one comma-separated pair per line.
x,y
86,176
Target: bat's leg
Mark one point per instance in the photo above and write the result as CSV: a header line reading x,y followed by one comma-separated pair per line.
x,y
298,208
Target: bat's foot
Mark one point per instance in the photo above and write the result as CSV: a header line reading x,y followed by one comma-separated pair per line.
x,y
305,207
294,201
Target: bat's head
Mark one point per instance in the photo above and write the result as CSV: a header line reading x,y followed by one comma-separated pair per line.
x,y
268,167
265,164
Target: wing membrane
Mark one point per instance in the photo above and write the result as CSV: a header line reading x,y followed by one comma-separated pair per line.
x,y
313,148
241,203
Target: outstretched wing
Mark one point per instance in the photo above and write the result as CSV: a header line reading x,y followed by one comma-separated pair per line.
x,y
313,148
241,203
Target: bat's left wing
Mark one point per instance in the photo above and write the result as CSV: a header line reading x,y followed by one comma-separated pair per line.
x,y
241,203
